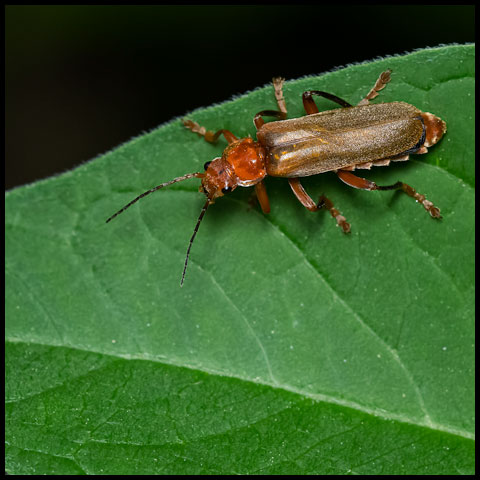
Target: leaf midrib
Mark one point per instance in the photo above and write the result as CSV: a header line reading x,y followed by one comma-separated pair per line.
x,y
318,397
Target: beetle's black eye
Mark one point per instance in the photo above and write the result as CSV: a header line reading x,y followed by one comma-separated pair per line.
x,y
206,165
226,189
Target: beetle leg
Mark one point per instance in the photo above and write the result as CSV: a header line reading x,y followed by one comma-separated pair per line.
x,y
278,86
324,202
259,121
208,135
302,196
305,199
281,114
362,183
262,196
311,106
382,81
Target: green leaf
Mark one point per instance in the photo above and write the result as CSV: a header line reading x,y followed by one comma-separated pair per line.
x,y
291,348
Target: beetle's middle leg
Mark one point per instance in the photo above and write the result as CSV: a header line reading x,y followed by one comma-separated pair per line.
x,y
305,199
281,113
310,105
362,183
278,86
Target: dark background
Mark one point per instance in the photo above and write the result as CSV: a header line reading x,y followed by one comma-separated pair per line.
x,y
82,79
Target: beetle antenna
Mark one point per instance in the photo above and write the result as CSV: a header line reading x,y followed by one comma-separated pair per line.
x,y
202,213
175,180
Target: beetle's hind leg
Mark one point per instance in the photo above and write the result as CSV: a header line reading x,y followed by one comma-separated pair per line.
x,y
382,81
305,199
362,183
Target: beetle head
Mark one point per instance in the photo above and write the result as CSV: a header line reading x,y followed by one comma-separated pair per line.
x,y
218,179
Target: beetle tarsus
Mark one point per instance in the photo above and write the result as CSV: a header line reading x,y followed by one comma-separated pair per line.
x,y
428,205
278,87
324,202
341,222
195,127
411,192
380,84
208,135
431,209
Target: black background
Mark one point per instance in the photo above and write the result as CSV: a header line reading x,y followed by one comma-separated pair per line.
x,y
82,79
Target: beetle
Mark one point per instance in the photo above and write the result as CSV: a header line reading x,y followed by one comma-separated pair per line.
x,y
339,140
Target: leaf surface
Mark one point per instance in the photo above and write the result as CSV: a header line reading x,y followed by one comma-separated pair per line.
x,y
291,348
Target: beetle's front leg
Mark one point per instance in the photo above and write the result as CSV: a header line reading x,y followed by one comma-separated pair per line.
x,y
208,135
362,183
305,199
382,81
262,197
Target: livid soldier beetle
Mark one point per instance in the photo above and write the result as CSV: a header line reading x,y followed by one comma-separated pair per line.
x,y
340,140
